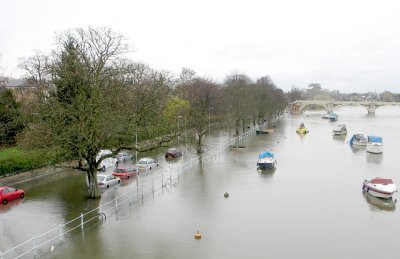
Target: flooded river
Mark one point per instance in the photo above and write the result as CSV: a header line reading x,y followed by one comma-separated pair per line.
x,y
311,206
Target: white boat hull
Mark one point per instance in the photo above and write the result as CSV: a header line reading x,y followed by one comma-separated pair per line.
x,y
379,190
266,163
375,148
359,143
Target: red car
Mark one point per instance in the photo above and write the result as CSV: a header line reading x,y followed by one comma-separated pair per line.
x,y
123,172
10,193
173,153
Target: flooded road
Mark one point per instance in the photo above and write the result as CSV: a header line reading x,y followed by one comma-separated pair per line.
x,y
311,206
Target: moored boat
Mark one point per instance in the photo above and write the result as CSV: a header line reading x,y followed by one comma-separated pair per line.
x,y
326,116
262,131
333,117
375,144
266,160
380,187
302,129
340,130
358,140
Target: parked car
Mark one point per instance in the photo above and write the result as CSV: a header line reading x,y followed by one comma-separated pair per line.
x,y
124,172
108,162
107,180
122,157
8,193
147,163
173,153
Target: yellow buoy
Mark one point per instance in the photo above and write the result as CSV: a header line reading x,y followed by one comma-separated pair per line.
x,y
197,235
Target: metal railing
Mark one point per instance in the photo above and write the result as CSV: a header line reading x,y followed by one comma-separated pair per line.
x,y
44,243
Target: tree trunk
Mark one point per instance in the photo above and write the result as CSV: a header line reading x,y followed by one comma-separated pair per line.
x,y
199,143
237,127
93,188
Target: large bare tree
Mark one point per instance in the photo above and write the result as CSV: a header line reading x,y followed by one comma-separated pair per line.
x,y
94,106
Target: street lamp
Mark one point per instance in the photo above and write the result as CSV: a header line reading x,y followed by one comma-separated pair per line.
x,y
209,119
136,150
229,130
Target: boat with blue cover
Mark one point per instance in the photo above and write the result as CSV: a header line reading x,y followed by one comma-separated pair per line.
x,y
375,144
266,160
358,140
333,117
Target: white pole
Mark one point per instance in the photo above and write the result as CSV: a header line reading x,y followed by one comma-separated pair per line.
x,y
34,246
81,221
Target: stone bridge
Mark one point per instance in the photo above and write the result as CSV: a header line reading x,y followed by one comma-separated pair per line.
x,y
298,107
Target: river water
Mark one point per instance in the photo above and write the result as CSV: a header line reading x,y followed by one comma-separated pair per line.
x,y
311,206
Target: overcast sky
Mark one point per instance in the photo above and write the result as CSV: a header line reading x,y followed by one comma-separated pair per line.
x,y
350,46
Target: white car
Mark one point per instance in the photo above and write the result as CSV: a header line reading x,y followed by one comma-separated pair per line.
x,y
107,180
147,163
108,162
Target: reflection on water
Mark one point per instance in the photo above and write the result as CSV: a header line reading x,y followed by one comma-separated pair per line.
x,y
357,149
380,204
266,173
339,138
374,158
10,205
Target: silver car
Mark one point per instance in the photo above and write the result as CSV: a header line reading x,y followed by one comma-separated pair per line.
x,y
147,163
107,180
122,157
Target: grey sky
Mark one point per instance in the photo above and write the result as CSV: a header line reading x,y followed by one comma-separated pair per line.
x,y
350,46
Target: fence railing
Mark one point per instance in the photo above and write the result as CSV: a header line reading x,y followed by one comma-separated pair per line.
x,y
44,243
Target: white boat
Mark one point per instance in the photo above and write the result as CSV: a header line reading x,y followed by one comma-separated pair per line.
x,y
374,145
358,140
380,187
326,116
340,130
266,160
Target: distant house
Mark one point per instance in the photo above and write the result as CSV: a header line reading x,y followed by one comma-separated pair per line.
x,y
22,89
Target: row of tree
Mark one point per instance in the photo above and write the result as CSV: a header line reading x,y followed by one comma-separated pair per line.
x,y
90,97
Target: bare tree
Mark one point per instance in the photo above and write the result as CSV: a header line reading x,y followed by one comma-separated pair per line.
x,y
37,68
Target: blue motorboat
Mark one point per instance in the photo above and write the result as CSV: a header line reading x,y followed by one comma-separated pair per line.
x,y
266,160
333,117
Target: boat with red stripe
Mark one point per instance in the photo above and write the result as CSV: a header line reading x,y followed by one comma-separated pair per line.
x,y
380,187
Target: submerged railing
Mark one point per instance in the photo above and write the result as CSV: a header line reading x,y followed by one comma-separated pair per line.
x,y
44,243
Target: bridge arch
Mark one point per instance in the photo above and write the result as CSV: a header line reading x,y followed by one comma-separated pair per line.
x,y
305,107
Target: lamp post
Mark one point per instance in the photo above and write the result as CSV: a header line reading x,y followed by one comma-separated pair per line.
x,y
209,119
136,150
229,130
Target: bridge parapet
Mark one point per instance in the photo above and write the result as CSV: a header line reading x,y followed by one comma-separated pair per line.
x,y
298,107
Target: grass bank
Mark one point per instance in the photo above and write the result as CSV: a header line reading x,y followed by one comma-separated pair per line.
x,y
14,160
